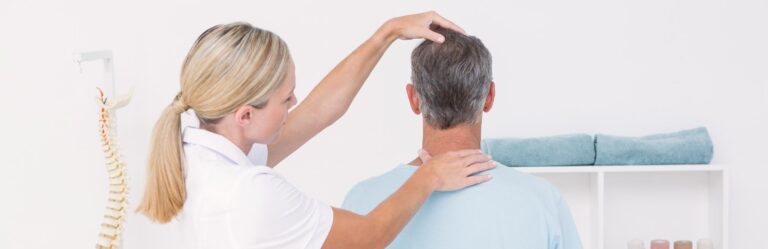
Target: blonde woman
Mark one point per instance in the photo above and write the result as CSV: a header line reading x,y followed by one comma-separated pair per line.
x,y
217,180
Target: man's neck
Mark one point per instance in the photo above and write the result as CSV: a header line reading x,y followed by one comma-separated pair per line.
x,y
461,137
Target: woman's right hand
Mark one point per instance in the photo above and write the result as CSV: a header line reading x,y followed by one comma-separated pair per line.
x,y
457,169
417,26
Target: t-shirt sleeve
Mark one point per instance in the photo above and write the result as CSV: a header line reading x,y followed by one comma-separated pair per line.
x,y
269,212
258,154
569,235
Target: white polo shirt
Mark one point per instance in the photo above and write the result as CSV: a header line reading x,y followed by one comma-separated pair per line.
x,y
234,201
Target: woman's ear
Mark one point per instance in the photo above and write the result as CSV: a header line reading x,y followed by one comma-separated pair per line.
x,y
489,99
244,115
413,98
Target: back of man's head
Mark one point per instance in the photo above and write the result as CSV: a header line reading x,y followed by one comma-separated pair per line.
x,y
452,79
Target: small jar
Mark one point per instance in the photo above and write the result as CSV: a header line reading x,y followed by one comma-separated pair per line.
x,y
635,244
683,244
659,244
705,244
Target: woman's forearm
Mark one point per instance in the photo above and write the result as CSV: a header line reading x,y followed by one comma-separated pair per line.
x,y
384,223
331,98
391,216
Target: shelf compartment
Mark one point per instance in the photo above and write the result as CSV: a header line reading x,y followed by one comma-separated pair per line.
x,y
612,204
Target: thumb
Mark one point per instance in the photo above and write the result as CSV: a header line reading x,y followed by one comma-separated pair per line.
x,y
424,155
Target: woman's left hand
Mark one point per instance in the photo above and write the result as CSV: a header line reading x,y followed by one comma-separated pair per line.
x,y
420,25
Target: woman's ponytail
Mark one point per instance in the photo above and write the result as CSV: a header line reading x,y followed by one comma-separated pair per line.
x,y
165,190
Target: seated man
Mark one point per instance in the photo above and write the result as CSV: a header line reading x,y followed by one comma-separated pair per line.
x,y
452,87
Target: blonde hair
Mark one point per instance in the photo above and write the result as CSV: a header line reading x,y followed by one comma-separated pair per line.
x,y
229,66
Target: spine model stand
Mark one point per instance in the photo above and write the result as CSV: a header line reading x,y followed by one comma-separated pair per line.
x,y
117,202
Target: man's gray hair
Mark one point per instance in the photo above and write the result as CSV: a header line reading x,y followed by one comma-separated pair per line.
x,y
452,79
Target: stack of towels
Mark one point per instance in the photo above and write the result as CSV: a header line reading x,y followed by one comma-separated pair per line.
x,y
692,146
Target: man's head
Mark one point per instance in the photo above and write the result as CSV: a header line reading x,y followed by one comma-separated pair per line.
x,y
451,80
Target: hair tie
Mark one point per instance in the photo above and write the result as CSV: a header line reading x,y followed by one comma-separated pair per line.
x,y
178,104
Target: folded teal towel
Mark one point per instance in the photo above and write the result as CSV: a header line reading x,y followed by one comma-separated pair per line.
x,y
573,149
683,147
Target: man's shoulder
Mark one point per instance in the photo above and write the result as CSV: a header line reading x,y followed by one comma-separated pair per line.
x,y
510,177
503,176
394,177
375,189
511,173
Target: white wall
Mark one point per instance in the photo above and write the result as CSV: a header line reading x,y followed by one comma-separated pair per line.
x,y
620,67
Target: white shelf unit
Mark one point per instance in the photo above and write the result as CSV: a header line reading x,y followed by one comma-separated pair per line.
x,y
613,204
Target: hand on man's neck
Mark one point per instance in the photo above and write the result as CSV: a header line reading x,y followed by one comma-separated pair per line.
x,y
460,137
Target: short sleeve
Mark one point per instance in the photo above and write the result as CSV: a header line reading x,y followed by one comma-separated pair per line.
x,y
569,235
258,154
269,212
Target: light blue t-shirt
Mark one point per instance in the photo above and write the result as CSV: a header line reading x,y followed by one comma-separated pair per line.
x,y
513,210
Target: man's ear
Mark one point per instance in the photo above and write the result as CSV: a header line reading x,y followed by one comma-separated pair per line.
x,y
413,98
490,97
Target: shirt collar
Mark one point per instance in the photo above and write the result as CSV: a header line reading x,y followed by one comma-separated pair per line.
x,y
215,142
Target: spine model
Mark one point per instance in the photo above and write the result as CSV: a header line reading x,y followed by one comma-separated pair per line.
x,y
117,202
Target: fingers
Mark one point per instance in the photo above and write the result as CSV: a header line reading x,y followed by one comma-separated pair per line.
x,y
421,25
458,169
445,23
438,20
432,35
465,153
474,180
475,158
480,167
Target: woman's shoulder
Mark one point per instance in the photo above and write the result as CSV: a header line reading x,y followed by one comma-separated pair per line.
x,y
258,176
245,176
275,198
263,185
